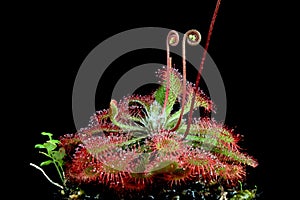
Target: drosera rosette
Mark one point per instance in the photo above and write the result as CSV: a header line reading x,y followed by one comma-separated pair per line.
x,y
148,143
141,141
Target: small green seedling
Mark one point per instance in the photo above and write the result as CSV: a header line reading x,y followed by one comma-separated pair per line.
x,y
55,156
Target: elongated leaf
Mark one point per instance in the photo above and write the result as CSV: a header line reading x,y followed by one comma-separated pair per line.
x,y
175,86
160,95
46,133
40,146
113,112
48,162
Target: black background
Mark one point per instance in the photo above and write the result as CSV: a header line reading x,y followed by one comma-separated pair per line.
x,y
48,43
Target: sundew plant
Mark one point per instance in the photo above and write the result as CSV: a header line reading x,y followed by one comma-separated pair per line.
x,y
145,140
141,140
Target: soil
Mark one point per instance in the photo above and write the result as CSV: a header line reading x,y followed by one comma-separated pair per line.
x,y
190,191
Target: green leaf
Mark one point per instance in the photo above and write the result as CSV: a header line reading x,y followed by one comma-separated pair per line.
x,y
50,146
46,163
46,133
60,154
144,103
160,95
113,113
132,141
175,87
40,146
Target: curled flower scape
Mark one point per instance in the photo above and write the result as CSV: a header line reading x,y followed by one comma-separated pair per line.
x,y
173,38
193,37
141,140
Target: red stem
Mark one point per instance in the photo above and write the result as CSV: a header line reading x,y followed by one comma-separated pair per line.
x,y
201,67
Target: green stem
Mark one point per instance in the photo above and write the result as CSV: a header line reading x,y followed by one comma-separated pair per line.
x,y
57,168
